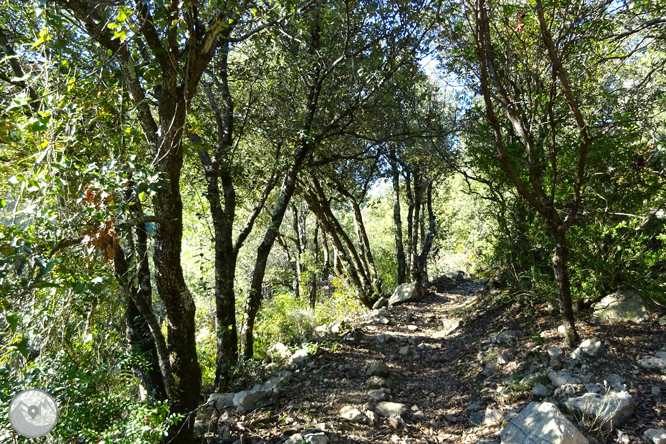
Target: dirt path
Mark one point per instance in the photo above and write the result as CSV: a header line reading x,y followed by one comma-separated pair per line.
x,y
432,350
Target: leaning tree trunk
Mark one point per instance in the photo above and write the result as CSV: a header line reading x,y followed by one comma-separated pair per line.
x,y
254,297
561,271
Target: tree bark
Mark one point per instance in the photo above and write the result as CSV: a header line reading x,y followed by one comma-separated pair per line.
x,y
427,242
410,221
140,334
297,255
561,271
254,297
397,222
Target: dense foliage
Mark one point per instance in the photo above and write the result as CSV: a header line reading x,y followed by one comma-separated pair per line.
x,y
186,185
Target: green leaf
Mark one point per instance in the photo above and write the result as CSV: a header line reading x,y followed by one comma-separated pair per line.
x,y
2,203
13,319
21,346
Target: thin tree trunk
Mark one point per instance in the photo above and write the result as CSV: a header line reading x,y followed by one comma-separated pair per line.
x,y
343,264
313,282
410,221
427,242
561,271
254,297
371,267
416,224
140,333
297,259
397,222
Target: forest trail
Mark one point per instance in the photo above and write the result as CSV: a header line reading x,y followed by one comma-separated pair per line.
x,y
458,360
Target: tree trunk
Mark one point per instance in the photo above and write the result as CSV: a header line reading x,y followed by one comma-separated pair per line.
x,y
364,242
410,222
313,282
343,264
427,242
254,297
561,271
416,225
139,334
397,222
297,259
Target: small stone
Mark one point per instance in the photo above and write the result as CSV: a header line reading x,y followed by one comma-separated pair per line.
x,y
378,368
592,347
397,422
386,408
352,414
378,395
384,338
451,418
561,378
492,416
655,390
555,352
662,320
405,350
477,418
475,406
593,388
503,358
507,337
377,382
555,364
655,363
562,330
655,436
412,327
541,390
372,418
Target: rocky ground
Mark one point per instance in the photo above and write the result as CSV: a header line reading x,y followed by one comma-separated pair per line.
x,y
457,367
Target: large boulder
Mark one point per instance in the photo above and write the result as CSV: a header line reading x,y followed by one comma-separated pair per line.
x,y
609,411
412,292
623,305
541,423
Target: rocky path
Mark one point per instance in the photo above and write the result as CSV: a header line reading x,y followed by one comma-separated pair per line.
x,y
453,368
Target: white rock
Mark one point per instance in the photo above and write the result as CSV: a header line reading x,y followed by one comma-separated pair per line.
x,y
541,390
386,408
221,400
655,436
609,411
541,423
248,400
561,378
397,422
555,352
591,347
279,352
623,305
300,358
352,414
655,363
406,293
308,437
